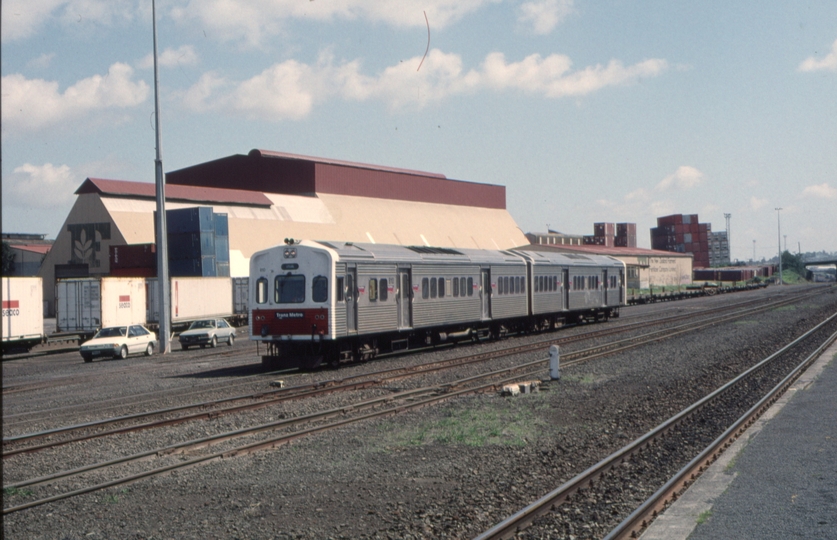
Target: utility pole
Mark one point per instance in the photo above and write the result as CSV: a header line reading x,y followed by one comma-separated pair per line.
x,y
754,251
162,236
779,221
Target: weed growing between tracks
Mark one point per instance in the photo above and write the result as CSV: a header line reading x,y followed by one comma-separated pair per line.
x,y
476,423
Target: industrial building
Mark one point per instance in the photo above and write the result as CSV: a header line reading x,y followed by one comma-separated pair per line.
x,y
646,268
28,251
269,196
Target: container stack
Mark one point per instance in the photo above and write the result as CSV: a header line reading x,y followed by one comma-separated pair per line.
x,y
603,235
135,260
681,233
626,235
222,245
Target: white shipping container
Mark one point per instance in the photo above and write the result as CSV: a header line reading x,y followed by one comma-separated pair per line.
x,y
241,295
87,304
192,298
23,315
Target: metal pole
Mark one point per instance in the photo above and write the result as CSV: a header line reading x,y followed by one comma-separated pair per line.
x,y
729,239
162,244
779,221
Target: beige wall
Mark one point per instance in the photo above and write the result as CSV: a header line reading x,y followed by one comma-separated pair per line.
x,y
325,217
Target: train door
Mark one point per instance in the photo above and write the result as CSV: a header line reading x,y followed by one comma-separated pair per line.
x,y
351,299
403,297
565,279
485,293
604,287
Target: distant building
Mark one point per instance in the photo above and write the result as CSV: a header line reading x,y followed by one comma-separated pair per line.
x,y
29,251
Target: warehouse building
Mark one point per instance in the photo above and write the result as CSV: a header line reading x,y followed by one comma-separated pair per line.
x,y
269,196
645,268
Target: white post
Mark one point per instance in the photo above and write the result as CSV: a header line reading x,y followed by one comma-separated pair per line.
x,y
554,359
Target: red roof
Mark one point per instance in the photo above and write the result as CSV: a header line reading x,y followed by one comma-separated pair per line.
x,y
292,174
174,192
43,249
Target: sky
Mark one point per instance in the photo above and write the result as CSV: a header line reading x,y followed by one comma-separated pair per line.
x,y
618,111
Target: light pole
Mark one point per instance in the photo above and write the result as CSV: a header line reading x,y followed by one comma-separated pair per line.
x,y
779,221
754,251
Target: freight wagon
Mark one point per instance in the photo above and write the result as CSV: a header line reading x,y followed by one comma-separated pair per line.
x,y
23,313
84,305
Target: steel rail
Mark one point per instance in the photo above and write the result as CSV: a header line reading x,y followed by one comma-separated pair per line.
x,y
305,391
438,393
671,491
523,518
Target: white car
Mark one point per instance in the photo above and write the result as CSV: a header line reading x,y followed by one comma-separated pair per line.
x,y
119,342
207,332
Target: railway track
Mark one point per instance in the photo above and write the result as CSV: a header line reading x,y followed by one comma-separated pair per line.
x,y
606,477
235,404
303,425
52,414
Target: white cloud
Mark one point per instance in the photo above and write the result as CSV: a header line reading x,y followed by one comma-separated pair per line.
x,y
183,56
22,18
821,191
32,104
252,20
685,177
41,62
291,89
828,63
28,183
756,203
544,15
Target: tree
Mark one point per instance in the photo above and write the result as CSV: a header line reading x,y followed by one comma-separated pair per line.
x,y
8,259
793,262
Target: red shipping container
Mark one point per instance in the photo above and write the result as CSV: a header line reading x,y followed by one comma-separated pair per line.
x,y
133,256
147,271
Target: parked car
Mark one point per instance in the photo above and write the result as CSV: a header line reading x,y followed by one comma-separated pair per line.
x,y
207,332
119,342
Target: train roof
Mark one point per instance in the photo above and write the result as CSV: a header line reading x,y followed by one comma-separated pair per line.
x,y
356,251
574,259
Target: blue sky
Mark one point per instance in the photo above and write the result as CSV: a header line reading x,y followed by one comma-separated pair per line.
x,y
586,111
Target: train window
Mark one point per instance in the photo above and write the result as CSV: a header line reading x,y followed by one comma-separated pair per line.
x,y
383,292
373,290
470,286
261,290
340,287
523,284
433,287
319,289
556,283
425,288
441,287
537,283
289,289
455,287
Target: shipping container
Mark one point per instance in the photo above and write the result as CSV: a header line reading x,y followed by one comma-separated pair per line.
x,y
88,304
222,249
148,271
190,220
604,229
191,245
221,225
241,295
23,313
192,298
133,256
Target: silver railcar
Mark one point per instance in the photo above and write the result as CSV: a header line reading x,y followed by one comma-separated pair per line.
x,y
315,301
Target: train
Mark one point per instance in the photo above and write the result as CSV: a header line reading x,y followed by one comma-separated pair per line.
x,y
321,302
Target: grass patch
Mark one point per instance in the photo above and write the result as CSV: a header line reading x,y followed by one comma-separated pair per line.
x,y
499,422
704,517
785,308
15,492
